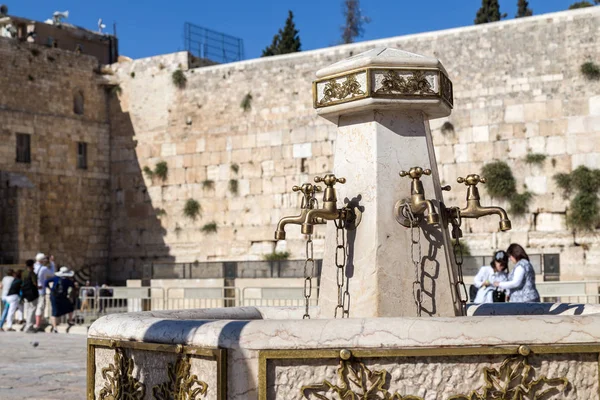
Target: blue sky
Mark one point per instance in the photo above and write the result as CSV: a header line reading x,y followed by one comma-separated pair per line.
x,y
151,27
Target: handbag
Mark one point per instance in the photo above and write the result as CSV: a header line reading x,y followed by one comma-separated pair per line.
x,y
498,296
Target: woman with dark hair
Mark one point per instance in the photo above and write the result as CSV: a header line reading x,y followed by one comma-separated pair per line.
x,y
497,271
521,281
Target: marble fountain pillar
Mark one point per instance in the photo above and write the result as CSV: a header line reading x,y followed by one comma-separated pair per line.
x,y
381,101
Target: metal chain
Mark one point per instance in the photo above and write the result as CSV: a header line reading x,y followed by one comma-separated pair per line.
x,y
461,288
340,263
309,271
415,242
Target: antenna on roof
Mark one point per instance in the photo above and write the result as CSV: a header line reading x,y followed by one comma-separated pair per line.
x,y
3,10
100,25
58,16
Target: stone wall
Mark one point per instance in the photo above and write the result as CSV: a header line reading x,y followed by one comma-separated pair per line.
x,y
518,89
52,206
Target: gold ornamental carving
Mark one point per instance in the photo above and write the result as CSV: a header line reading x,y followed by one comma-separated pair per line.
x,y
393,82
181,384
355,381
335,90
120,384
514,379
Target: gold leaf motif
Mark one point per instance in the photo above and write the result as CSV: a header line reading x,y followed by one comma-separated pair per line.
x,y
354,382
120,383
334,90
417,83
515,380
181,385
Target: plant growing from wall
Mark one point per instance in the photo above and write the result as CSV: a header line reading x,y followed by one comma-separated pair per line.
x,y
132,74
161,169
447,127
179,79
233,186
208,184
192,209
246,103
591,70
148,172
211,227
160,212
501,184
535,158
235,168
584,183
277,256
464,247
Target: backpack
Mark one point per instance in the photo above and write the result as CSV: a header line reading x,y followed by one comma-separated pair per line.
x,y
58,288
29,288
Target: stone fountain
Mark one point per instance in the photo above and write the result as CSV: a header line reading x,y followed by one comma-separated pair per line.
x,y
392,321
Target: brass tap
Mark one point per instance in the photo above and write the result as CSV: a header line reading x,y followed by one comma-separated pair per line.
x,y
474,208
308,202
328,210
417,202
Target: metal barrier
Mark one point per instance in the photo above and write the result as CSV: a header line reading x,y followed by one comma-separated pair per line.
x,y
276,296
188,298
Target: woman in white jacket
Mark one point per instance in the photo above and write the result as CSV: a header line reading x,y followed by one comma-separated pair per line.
x,y
497,271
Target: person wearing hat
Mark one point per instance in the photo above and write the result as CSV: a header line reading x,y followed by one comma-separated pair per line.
x,y
497,271
43,273
59,287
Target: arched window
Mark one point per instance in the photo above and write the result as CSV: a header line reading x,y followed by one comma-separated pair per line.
x,y
78,103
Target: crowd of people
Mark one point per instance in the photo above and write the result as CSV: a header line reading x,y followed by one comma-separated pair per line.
x,y
25,292
496,283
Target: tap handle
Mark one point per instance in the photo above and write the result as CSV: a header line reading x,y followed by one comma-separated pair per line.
x,y
330,180
307,189
447,188
415,172
471,180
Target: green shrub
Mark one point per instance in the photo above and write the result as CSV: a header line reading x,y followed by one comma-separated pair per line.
x,y
590,70
208,184
466,251
580,4
246,102
161,170
447,127
160,212
519,203
132,74
148,172
179,79
584,211
535,158
233,186
192,209
277,256
116,89
500,183
235,168
211,227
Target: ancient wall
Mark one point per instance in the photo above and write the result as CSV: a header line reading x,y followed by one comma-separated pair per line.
x,y
518,89
54,207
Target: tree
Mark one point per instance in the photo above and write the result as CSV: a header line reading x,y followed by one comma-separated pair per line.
x,y
523,9
582,4
286,40
489,12
353,27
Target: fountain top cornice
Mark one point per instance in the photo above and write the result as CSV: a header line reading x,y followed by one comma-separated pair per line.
x,y
383,78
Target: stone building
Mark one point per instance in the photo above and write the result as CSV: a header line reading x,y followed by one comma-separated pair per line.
x,y
236,137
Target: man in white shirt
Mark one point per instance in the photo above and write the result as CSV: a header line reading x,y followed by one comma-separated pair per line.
x,y
43,273
5,285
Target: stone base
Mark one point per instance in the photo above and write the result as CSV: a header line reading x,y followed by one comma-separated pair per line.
x,y
270,353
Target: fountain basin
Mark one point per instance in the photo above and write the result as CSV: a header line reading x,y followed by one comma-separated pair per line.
x,y
270,353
